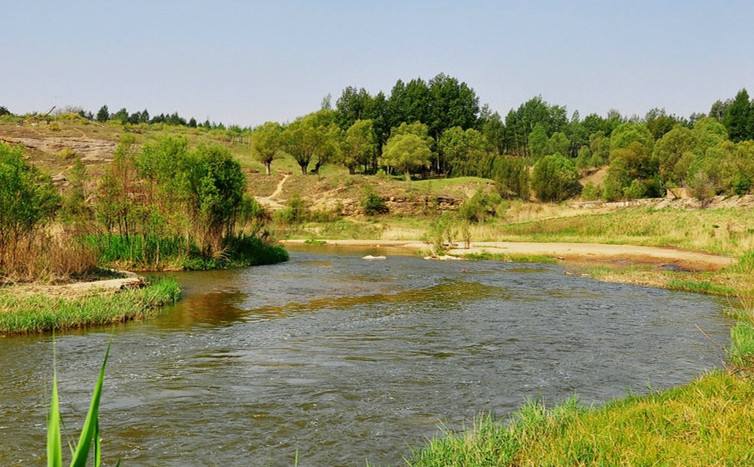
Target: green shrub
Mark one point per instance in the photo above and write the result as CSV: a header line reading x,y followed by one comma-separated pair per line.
x,y
480,207
295,212
555,178
591,192
372,204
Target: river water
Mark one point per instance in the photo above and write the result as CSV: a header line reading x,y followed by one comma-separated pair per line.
x,y
337,360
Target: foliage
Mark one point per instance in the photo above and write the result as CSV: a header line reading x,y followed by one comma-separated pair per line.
x,y
555,178
480,207
314,138
89,439
359,145
372,204
27,197
266,142
295,211
406,152
462,150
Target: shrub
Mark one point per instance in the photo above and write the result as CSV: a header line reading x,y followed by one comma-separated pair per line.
x,y
295,212
555,178
480,207
591,192
372,204
702,187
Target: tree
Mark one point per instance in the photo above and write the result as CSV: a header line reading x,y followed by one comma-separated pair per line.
x,y
359,145
452,103
406,152
312,138
121,115
462,150
538,141
4,111
738,117
265,143
555,178
631,132
74,202
676,145
103,114
558,144
353,104
659,122
192,123
27,198
493,129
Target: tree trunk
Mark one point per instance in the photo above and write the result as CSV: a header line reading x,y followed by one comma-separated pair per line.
x,y
267,167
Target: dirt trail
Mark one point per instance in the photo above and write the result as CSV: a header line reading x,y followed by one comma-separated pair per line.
x,y
570,251
269,201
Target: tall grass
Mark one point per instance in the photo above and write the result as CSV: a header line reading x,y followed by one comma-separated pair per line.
x,y
44,257
175,253
23,313
89,440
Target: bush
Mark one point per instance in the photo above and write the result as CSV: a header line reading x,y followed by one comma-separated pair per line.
x,y
591,192
480,207
702,187
295,212
372,204
555,178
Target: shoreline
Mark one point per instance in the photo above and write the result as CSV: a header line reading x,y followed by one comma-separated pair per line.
x,y
598,252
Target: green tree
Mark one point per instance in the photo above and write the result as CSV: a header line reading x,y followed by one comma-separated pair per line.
x,y
558,144
462,150
538,141
312,138
493,129
738,117
675,146
406,152
352,105
628,133
265,143
28,199
555,178
74,202
359,145
103,114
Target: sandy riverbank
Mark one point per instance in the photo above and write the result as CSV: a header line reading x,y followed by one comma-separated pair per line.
x,y
567,251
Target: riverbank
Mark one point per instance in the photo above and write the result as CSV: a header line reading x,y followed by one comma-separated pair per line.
x,y
706,422
40,308
570,251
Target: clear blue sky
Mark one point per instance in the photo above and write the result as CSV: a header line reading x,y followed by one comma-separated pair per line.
x,y
247,62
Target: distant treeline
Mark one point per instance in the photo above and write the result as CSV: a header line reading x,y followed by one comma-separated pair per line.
x,y
439,128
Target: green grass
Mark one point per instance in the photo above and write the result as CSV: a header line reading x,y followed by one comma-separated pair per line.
x,y
172,253
697,286
709,421
509,258
39,312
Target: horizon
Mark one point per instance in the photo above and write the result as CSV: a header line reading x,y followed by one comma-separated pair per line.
x,y
229,63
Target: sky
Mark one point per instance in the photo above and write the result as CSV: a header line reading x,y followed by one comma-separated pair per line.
x,y
246,62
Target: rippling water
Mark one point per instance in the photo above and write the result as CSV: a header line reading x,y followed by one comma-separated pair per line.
x,y
338,360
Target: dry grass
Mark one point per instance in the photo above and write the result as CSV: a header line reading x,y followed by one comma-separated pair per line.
x,y
48,258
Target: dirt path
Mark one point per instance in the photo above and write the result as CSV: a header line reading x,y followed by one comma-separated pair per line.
x,y
269,201
569,251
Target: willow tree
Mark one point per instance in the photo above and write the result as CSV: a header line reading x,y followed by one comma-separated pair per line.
x,y
265,143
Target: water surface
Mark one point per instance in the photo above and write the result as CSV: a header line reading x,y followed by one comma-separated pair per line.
x,y
340,359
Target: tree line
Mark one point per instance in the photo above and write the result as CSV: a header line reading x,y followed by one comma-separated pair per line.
x,y
438,128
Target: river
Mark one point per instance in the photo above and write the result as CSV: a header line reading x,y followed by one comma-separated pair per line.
x,y
336,360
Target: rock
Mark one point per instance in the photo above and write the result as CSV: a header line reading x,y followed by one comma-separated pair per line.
x,y
371,258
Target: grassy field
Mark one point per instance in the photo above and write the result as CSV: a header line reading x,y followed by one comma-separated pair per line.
x,y
23,313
